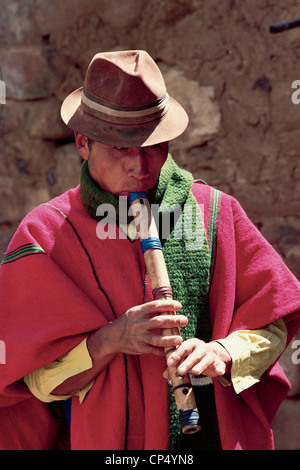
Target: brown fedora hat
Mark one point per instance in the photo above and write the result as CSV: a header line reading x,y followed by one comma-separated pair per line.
x,y
124,102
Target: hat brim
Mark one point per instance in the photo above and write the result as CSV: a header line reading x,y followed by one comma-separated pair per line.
x,y
168,127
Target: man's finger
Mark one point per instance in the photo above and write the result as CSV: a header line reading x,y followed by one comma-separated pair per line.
x,y
209,365
160,306
168,321
185,349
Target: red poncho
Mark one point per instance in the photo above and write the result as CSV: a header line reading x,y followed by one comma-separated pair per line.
x,y
59,282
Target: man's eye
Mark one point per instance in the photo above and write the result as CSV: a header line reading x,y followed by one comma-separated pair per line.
x,y
157,146
121,148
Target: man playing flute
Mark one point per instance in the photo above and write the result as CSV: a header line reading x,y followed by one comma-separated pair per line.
x,y
79,319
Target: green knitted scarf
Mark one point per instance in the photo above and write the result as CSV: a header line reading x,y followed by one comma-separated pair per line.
x,y
187,258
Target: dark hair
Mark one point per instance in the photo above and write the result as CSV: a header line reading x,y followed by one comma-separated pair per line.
x,y
90,143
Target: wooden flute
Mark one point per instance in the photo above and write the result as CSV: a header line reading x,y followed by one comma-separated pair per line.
x,y
161,289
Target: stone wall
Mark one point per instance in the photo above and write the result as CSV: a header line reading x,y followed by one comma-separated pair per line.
x,y
220,61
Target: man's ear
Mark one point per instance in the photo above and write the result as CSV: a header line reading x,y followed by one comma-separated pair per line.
x,y
82,145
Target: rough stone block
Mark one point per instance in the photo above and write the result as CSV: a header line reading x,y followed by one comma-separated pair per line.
x,y
31,72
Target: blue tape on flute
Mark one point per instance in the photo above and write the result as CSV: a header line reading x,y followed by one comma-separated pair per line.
x,y
134,196
188,417
151,242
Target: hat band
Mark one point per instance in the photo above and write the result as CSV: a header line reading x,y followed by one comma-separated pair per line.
x,y
124,114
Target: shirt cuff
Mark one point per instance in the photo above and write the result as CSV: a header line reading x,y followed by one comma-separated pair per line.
x,y
43,381
253,352
240,354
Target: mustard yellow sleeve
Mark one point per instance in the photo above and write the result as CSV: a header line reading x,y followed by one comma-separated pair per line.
x,y
253,352
43,381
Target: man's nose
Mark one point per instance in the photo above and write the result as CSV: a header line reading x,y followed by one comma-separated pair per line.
x,y
137,167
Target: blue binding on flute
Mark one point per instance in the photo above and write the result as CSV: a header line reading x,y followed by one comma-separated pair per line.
x,y
151,242
134,196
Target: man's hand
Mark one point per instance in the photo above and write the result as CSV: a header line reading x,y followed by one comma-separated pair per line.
x,y
138,330
194,355
133,332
